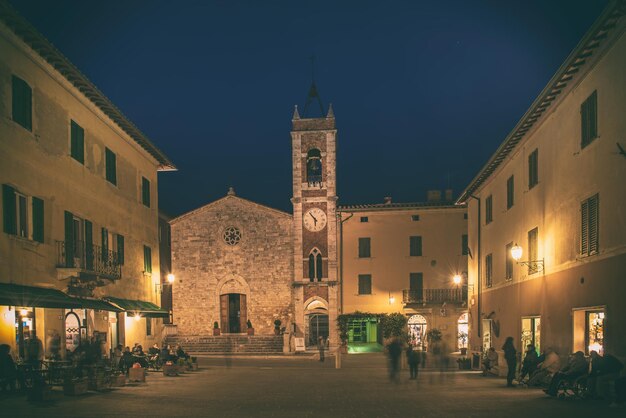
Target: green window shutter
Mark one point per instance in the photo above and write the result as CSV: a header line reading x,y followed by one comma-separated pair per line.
x,y
145,191
37,219
120,249
415,244
416,284
89,245
8,209
105,243
147,259
111,166
365,248
593,115
22,103
69,239
77,142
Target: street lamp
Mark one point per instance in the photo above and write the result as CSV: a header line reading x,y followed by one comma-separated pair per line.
x,y
391,299
457,279
170,281
534,266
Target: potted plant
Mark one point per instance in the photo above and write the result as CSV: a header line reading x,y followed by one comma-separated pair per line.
x,y
250,329
433,337
170,369
277,323
463,341
216,328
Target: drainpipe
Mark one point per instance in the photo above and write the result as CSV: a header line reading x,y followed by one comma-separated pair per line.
x,y
341,221
479,279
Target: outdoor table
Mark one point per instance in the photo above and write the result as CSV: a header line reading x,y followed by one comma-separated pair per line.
x,y
57,370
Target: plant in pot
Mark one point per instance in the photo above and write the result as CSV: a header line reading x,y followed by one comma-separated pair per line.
x,y
216,328
277,323
464,363
433,337
463,342
250,329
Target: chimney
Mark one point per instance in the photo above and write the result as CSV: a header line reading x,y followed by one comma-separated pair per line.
x,y
433,195
448,195
387,200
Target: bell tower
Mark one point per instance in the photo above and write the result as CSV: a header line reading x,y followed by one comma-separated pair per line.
x,y
315,285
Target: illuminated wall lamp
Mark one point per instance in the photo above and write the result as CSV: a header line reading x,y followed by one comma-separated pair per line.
x,y
391,299
535,266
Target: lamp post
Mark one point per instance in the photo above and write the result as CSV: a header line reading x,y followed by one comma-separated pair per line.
x,y
534,266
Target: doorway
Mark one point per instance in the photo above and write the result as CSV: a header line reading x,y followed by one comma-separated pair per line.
x,y
233,313
318,327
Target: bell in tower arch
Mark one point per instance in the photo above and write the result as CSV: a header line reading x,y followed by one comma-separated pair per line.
x,y
314,167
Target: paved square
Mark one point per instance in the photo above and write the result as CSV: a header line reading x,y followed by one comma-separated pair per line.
x,y
304,387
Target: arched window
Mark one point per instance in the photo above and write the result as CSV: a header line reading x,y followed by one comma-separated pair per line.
x,y
315,265
417,330
314,167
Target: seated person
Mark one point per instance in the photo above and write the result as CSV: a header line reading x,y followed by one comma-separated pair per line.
x,y
165,354
127,360
180,353
490,361
152,351
529,365
576,367
548,364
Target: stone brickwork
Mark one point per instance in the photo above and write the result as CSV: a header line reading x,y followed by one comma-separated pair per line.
x,y
260,265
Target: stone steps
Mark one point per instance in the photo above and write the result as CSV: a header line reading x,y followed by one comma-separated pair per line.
x,y
245,344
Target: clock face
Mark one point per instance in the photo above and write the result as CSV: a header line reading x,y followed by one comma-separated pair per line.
x,y
314,219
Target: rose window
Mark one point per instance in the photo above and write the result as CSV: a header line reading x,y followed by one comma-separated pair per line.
x,y
232,235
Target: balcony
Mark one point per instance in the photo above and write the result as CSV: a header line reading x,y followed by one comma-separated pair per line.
x,y
88,260
435,296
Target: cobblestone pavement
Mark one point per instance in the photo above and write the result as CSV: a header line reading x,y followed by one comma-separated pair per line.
x,y
303,387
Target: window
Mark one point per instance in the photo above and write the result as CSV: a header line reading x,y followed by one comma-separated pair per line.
x,y
462,330
415,246
77,142
415,218
416,287
465,216
531,333
489,209
120,249
508,275
145,191
111,167
533,236
364,219
464,246
488,270
589,120
315,265
510,192
589,212
589,329
78,244
147,259
112,247
22,106
314,167
22,215
533,169
148,326
364,248
365,284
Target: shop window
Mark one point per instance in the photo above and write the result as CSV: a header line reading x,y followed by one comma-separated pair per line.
x,y
417,330
462,331
531,333
589,330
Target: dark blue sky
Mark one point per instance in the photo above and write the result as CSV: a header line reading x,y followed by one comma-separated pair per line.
x,y
423,92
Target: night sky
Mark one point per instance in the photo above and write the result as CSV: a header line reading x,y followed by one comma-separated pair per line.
x,y
423,92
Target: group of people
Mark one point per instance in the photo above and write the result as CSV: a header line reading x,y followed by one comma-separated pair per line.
x,y
413,357
599,372
124,358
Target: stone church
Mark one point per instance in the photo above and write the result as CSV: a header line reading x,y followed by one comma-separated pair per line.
x,y
238,261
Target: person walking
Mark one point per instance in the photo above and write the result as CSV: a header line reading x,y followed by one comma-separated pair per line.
x,y
413,360
321,346
510,355
395,351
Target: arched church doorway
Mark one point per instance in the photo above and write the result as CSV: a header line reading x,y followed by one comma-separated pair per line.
x,y
233,313
316,315
417,330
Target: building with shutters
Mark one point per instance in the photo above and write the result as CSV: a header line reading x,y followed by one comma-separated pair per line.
x,y
553,193
79,243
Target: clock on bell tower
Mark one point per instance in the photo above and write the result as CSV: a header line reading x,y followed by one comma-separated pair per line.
x,y
313,144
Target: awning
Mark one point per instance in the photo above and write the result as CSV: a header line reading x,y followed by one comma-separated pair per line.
x,y
140,307
99,304
31,296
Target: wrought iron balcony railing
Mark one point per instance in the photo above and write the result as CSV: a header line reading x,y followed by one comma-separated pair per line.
x,y
89,258
458,295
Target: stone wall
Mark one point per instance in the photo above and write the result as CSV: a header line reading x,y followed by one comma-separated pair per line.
x,y
260,265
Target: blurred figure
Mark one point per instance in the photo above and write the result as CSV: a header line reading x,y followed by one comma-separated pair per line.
x,y
413,359
529,364
510,355
394,349
576,367
490,361
321,346
8,372
603,371
34,351
549,364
